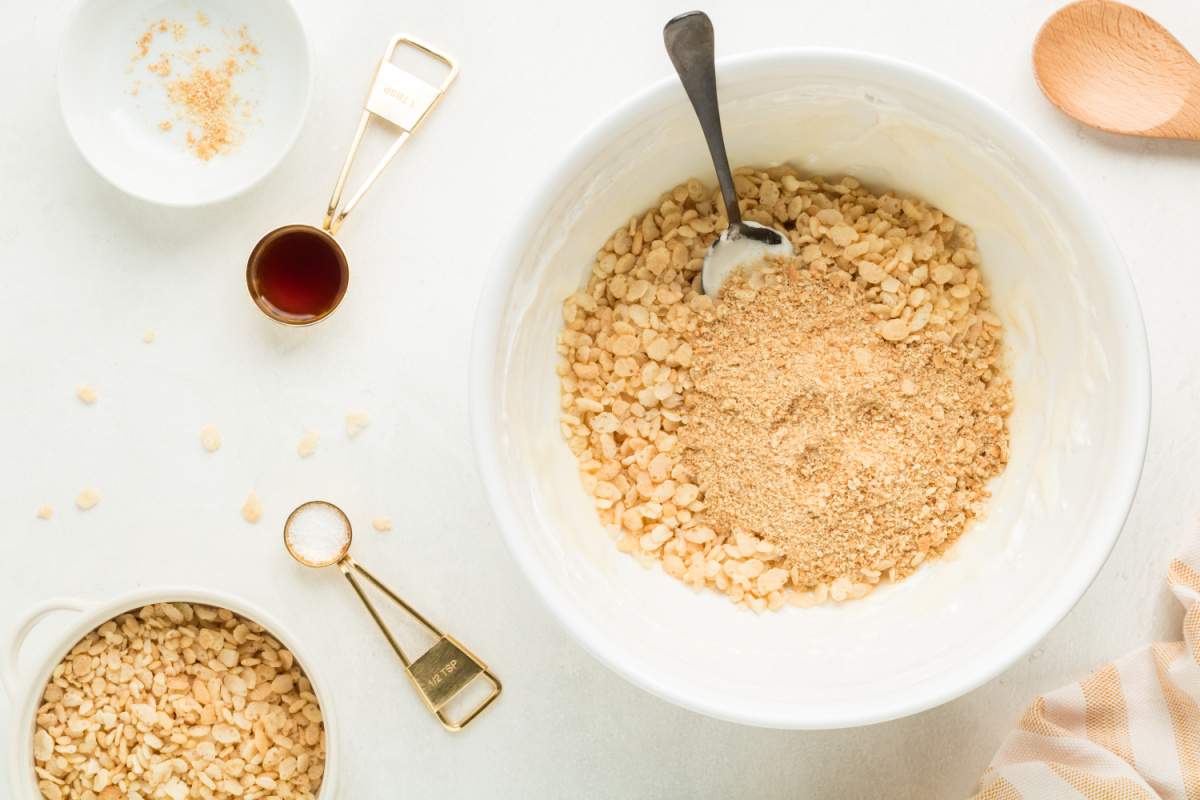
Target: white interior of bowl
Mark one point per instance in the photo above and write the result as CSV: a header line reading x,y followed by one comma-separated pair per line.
x,y
1075,347
117,130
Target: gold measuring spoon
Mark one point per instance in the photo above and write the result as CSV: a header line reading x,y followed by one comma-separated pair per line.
x,y
318,534
298,274
1114,68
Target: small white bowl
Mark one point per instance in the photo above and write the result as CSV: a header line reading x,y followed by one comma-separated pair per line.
x,y
117,130
1074,339
25,692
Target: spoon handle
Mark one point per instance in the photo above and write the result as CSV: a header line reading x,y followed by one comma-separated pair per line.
x,y
689,41
441,672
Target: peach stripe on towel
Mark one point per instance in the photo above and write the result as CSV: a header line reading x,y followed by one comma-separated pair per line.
x,y
1128,731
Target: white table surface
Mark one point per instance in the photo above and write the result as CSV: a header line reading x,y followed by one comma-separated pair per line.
x,y
84,270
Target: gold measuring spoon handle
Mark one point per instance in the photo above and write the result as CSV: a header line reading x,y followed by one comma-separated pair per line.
x,y
441,672
400,98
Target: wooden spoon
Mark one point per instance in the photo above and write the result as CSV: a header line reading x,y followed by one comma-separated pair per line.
x,y
1114,68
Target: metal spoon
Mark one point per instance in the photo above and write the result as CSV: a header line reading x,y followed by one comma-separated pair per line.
x,y
689,41
1114,68
441,672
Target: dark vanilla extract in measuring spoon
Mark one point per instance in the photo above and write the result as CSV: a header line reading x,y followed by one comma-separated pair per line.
x,y
298,274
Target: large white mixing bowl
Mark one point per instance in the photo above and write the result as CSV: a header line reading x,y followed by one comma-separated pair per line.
x,y
1078,359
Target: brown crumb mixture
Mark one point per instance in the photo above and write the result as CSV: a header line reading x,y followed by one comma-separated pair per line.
x,y
246,45
143,42
204,98
207,102
162,67
857,457
828,425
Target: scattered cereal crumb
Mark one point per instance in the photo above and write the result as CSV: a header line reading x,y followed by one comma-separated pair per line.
x,y
201,18
210,438
86,394
45,512
86,499
355,422
178,31
308,444
252,509
382,524
165,125
149,336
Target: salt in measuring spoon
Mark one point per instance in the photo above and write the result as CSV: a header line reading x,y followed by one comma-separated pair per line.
x,y
298,274
318,534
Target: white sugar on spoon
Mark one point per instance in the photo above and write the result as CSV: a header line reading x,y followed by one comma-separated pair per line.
x,y
317,534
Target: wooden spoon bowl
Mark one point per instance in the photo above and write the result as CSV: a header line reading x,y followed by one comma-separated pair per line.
x,y
1114,68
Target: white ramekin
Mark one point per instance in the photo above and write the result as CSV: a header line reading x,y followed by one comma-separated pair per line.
x,y
1076,348
25,691
116,128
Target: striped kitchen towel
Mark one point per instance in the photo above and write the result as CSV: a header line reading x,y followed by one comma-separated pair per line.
x,y
1128,731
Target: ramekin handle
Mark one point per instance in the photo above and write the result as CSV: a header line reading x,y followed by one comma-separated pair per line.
x,y
12,649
